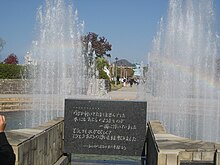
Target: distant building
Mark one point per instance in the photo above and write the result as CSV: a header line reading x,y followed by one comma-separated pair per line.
x,y
125,69
137,70
124,64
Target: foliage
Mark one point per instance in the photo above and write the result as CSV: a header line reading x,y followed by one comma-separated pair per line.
x,y
9,71
99,44
103,75
100,64
11,59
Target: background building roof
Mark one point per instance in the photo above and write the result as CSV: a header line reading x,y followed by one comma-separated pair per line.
x,y
124,63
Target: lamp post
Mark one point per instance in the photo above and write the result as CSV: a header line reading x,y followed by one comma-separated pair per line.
x,y
116,59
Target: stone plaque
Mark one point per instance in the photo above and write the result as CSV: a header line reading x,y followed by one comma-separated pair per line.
x,y
104,127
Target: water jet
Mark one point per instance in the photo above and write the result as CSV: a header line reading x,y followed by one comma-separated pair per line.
x,y
61,70
182,88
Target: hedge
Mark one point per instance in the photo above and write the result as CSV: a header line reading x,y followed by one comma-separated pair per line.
x,y
11,71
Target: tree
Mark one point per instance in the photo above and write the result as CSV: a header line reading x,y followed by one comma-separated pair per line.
x,y
101,63
11,59
99,44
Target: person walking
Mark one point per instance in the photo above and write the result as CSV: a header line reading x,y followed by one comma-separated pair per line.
x,y
7,156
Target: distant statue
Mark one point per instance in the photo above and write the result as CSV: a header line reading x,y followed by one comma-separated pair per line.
x,y
89,47
106,71
27,58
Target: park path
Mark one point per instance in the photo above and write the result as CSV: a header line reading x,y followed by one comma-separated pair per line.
x,y
124,93
16,102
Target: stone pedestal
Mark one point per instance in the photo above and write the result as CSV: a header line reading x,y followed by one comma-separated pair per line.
x,y
167,149
42,145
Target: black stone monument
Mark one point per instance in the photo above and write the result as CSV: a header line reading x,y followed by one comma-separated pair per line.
x,y
104,127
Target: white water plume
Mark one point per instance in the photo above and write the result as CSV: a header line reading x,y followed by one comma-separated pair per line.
x,y
182,84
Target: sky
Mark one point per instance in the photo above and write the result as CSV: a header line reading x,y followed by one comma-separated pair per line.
x,y
129,25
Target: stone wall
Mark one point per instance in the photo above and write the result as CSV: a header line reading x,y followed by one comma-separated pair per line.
x,y
14,86
19,86
42,145
168,149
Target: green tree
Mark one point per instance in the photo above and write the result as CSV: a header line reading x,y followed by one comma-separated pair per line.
x,y
101,63
99,44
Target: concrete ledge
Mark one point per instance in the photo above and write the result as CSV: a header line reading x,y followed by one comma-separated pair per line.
x,y
42,145
64,160
169,149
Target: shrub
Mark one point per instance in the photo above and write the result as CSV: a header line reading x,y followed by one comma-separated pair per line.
x,y
10,71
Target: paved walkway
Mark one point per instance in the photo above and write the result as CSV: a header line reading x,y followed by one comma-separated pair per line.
x,y
124,93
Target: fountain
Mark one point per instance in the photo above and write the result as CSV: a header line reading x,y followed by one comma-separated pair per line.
x,y
182,88
57,66
60,69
